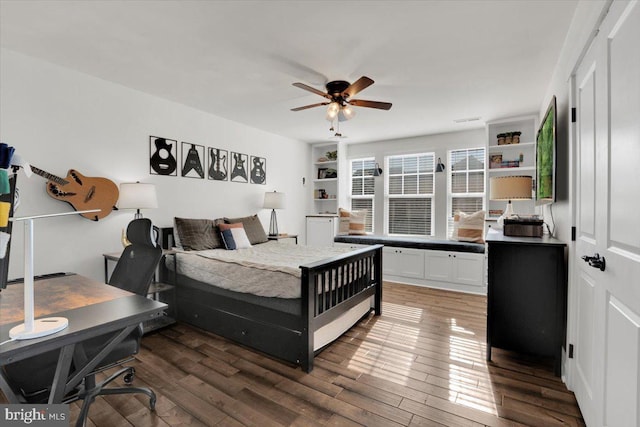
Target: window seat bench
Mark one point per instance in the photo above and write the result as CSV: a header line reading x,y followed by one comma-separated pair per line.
x,y
413,243
444,264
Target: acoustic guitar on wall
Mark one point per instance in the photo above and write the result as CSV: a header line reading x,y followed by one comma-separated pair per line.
x,y
82,192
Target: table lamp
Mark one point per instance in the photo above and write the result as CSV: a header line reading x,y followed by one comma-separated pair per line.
x,y
273,200
513,187
137,195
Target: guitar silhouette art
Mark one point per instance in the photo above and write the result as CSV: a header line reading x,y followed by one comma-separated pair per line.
x,y
216,170
82,192
192,162
258,174
162,161
238,168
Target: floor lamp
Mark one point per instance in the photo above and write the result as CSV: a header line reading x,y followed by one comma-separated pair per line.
x,y
273,200
513,187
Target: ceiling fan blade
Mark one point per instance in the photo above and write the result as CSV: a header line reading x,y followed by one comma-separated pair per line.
x,y
370,104
310,106
312,89
360,84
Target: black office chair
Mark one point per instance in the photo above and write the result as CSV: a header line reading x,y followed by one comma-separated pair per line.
x,y
133,272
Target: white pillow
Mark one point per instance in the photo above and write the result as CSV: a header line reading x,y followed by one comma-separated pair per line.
x,y
240,237
468,227
357,222
343,221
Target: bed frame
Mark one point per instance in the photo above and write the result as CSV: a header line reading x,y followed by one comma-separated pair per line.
x,y
356,277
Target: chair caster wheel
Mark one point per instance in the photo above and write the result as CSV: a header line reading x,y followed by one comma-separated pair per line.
x,y
128,377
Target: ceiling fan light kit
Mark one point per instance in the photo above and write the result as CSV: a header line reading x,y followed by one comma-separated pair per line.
x,y
339,93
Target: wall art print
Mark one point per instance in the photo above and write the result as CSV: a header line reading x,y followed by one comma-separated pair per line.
x,y
192,157
258,170
239,167
163,154
218,164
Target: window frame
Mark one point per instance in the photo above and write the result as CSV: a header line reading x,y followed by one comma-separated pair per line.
x,y
451,195
369,227
428,196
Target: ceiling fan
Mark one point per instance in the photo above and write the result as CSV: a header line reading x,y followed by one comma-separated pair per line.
x,y
339,93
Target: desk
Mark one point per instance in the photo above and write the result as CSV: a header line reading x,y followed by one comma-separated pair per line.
x,y
92,308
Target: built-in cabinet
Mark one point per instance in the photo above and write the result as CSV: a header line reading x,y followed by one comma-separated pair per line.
x,y
506,157
460,271
325,178
321,229
456,267
403,262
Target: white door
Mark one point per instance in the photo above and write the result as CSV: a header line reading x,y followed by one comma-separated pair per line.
x,y
605,319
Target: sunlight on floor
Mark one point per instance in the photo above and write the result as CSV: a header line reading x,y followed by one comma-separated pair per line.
x,y
466,381
396,351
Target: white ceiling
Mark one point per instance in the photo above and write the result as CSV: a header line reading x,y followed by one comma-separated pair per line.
x,y
436,61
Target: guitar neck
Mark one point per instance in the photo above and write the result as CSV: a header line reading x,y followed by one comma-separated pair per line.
x,y
49,176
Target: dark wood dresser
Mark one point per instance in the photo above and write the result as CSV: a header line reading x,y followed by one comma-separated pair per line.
x,y
527,295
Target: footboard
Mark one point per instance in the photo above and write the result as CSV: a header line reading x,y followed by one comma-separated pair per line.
x,y
333,286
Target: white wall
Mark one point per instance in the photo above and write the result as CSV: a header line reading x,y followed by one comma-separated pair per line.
x,y
59,119
583,27
440,144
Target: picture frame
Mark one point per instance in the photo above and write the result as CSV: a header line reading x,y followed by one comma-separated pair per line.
x,y
322,173
192,157
258,173
239,167
217,164
163,156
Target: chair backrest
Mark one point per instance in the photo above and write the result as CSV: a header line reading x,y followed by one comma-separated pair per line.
x,y
139,261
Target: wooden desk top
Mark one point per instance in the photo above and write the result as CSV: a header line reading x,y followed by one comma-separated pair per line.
x,y
92,308
55,295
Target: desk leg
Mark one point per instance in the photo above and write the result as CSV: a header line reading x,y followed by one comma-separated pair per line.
x,y
8,391
62,373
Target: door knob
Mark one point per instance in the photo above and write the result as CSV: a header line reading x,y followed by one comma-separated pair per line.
x,y
595,261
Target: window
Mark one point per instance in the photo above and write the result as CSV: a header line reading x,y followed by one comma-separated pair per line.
x,y
466,183
362,188
409,194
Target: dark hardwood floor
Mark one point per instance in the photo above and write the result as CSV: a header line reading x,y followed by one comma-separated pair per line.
x,y
422,363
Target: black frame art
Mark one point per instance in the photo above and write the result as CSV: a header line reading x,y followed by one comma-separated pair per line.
x,y
192,157
218,164
258,170
163,156
239,167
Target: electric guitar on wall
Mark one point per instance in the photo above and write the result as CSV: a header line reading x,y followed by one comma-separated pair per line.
x,y
82,192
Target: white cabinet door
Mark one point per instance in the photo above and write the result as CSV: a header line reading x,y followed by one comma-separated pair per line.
x,y
403,262
438,266
467,268
321,231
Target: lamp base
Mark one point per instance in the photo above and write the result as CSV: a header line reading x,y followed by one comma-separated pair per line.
x,y
273,225
508,213
41,328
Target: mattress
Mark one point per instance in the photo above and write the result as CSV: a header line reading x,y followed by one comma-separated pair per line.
x,y
270,269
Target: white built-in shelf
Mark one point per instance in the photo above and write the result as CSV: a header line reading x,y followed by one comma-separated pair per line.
x,y
326,200
524,145
328,163
326,180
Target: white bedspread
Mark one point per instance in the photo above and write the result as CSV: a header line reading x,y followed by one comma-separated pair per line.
x,y
269,269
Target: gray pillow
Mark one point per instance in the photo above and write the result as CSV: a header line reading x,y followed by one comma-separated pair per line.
x,y
198,234
253,228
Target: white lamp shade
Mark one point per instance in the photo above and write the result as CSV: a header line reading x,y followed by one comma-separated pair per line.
x,y
136,195
274,200
510,187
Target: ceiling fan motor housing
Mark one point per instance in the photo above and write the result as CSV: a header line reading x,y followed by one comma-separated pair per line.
x,y
336,87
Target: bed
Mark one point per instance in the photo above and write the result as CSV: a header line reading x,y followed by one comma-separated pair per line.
x,y
320,302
